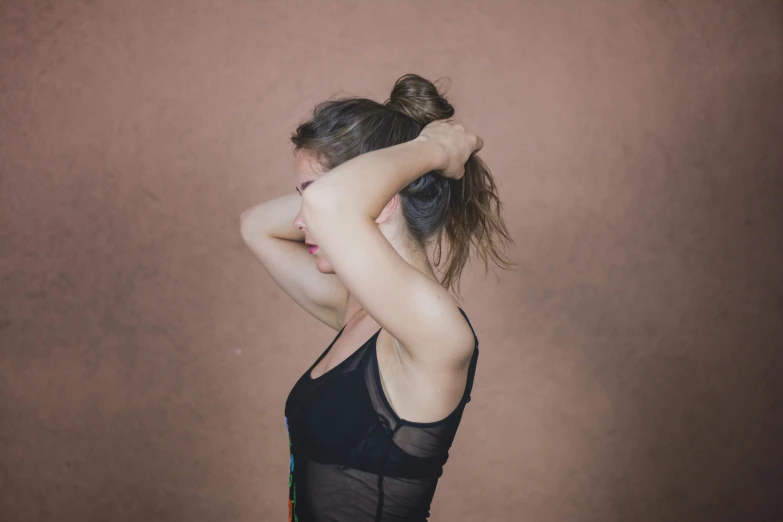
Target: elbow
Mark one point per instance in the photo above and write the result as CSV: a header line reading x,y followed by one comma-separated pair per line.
x,y
246,227
314,197
319,210
320,201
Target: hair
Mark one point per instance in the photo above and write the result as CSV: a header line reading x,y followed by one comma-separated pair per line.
x,y
467,211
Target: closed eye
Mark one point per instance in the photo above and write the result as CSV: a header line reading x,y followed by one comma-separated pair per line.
x,y
304,186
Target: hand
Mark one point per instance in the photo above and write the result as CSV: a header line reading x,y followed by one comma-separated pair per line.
x,y
457,143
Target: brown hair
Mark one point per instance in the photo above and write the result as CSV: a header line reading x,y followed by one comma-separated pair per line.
x,y
468,211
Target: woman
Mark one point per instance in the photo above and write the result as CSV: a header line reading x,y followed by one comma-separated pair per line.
x,y
378,185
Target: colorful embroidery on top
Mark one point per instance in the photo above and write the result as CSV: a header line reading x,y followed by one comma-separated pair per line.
x,y
291,486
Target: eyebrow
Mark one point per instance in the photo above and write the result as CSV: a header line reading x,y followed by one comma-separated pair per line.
x,y
304,186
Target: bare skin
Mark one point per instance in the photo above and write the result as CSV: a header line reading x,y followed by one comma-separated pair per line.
x,y
372,275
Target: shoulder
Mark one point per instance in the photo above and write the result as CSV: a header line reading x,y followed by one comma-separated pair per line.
x,y
453,340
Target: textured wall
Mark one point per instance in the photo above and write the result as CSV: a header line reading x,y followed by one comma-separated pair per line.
x,y
627,374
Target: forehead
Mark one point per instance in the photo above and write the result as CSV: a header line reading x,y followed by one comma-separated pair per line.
x,y
306,167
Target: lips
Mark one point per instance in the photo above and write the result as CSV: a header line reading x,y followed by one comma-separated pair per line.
x,y
312,248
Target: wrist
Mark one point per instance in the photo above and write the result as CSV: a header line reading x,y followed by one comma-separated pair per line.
x,y
436,154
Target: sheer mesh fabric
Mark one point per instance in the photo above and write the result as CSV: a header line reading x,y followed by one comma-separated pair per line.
x,y
352,458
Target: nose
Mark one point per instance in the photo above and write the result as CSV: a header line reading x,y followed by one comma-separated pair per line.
x,y
298,222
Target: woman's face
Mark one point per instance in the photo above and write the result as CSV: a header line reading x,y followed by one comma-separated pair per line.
x,y
307,170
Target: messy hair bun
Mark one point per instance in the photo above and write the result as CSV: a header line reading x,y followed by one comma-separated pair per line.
x,y
466,211
419,99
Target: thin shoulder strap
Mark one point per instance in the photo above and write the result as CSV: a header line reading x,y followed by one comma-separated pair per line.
x,y
326,351
471,326
473,362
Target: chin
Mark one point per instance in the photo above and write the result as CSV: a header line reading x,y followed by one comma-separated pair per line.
x,y
323,266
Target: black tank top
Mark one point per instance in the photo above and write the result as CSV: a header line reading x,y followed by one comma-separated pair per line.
x,y
352,459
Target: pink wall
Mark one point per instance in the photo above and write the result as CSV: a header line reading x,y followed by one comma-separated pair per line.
x,y
627,374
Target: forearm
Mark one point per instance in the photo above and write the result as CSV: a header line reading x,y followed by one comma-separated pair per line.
x,y
367,182
274,218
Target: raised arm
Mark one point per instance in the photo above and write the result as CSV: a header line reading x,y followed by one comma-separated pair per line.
x,y
340,209
269,232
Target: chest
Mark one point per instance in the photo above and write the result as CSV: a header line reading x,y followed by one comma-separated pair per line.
x,y
330,418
